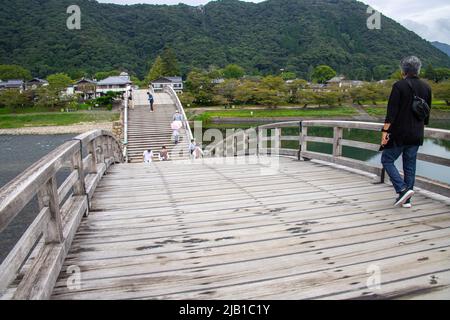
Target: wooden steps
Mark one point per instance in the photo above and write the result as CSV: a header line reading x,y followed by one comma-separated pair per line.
x,y
151,130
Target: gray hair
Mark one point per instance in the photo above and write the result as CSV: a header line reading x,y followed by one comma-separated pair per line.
x,y
411,65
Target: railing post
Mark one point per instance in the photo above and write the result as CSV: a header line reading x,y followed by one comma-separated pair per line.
x,y
337,138
261,141
299,156
257,141
92,149
79,188
48,197
276,140
102,148
303,141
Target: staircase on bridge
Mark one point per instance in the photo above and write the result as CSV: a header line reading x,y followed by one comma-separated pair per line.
x,y
152,130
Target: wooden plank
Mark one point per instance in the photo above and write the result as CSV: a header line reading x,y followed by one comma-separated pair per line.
x,y
338,134
319,139
434,159
207,241
16,257
67,185
53,233
360,145
38,283
289,138
305,264
352,163
343,124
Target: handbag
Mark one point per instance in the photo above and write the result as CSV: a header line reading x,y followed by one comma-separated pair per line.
x,y
420,107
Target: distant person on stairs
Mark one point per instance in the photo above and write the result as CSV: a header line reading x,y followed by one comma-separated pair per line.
x,y
151,100
176,126
164,154
192,147
198,152
148,156
178,116
408,112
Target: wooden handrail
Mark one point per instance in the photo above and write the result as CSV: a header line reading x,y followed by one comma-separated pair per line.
x,y
37,258
171,92
337,141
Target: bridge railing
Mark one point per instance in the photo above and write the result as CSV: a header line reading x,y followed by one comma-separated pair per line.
x,y
125,125
31,268
171,92
268,140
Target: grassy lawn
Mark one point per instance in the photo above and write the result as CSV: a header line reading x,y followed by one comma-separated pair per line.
x,y
269,113
54,119
381,110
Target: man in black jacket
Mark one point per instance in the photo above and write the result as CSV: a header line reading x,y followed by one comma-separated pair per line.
x,y
403,132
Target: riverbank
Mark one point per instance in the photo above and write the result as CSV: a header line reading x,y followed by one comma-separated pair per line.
x,y
54,130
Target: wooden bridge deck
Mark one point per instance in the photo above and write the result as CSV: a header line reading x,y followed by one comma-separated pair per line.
x,y
209,230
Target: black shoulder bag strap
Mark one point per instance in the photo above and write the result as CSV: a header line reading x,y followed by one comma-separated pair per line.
x,y
411,86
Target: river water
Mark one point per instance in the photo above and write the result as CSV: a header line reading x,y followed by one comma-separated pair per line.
x,y
17,153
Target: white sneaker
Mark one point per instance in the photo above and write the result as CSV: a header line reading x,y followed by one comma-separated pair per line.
x,y
407,204
403,197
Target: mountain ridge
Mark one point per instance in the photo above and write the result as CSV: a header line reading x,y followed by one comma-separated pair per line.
x,y
444,47
265,37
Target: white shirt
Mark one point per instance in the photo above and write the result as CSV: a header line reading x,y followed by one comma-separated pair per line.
x,y
148,156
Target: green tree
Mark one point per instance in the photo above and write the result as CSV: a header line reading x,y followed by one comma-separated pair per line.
x,y
199,84
247,92
233,71
170,63
359,94
156,71
324,98
397,75
14,99
59,81
442,92
8,72
382,72
288,75
274,83
268,97
429,73
105,74
305,97
442,74
48,98
227,89
323,73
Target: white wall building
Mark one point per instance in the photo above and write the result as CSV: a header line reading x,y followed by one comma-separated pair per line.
x,y
175,82
120,83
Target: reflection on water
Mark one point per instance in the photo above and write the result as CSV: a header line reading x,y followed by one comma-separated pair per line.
x,y
431,146
426,169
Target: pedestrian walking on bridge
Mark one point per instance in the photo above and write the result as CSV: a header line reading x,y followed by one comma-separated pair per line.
x,y
408,112
151,100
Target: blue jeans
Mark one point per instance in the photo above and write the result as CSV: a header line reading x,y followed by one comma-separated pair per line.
x,y
409,155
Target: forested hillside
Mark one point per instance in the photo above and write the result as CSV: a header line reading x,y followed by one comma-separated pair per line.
x,y
294,35
442,46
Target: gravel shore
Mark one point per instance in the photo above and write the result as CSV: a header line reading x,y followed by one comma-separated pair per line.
x,y
78,128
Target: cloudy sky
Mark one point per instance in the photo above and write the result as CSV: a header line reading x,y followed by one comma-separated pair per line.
x,y
430,19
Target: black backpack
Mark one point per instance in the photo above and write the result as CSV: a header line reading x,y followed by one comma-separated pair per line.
x,y
420,107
